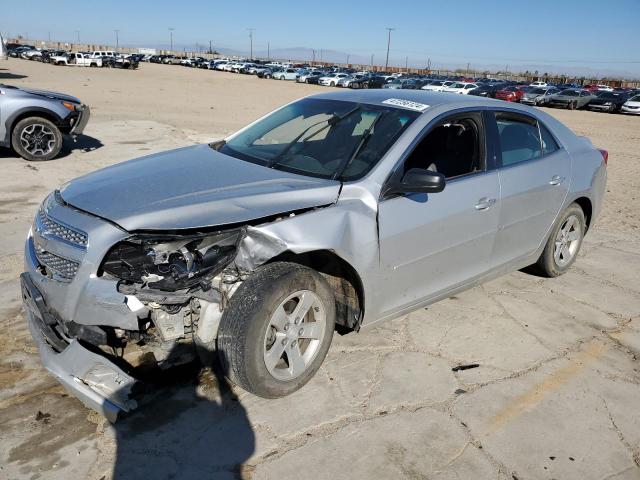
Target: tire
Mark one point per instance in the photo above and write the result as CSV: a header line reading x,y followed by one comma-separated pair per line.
x,y
548,264
246,329
572,105
333,84
281,77
613,108
50,134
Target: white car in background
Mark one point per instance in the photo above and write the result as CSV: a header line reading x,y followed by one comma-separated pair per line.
x,y
538,84
332,79
31,54
438,85
76,60
604,88
463,88
631,106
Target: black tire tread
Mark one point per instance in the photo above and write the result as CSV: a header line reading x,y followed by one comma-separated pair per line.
x,y
246,301
545,265
15,140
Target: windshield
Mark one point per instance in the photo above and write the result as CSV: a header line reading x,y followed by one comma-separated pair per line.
x,y
322,138
538,91
569,93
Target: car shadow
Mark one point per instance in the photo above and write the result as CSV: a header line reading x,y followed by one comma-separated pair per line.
x,y
82,143
11,76
194,427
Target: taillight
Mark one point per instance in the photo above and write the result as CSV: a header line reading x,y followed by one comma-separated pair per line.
x,y
605,156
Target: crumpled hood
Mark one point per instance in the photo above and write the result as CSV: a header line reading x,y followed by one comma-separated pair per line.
x,y
56,95
193,187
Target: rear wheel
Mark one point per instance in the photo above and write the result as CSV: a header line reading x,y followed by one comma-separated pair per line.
x,y
564,243
36,138
277,329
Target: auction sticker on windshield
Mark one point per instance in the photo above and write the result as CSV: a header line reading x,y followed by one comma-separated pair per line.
x,y
398,102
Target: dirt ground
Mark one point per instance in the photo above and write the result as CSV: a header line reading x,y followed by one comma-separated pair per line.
x,y
556,395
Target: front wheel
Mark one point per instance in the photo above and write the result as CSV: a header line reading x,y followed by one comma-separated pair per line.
x,y
564,243
277,329
36,138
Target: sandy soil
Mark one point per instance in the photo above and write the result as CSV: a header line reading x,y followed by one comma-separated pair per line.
x,y
47,434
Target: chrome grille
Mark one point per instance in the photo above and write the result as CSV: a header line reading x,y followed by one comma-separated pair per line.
x,y
58,230
63,267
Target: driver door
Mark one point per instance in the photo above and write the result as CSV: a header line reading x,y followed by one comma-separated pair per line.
x,y
431,243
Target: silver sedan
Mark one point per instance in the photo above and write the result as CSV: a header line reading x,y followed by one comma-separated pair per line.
x,y
341,209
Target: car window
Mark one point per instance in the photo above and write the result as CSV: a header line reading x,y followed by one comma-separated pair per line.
x,y
549,144
453,147
519,138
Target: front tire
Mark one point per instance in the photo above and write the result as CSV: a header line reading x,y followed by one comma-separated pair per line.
x,y
277,329
563,244
36,139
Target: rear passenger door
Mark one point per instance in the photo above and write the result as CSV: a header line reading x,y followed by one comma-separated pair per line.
x,y
534,172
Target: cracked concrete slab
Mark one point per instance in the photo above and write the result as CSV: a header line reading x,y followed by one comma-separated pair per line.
x,y
423,444
550,422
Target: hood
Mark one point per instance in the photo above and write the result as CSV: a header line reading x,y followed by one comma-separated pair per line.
x,y
55,95
193,187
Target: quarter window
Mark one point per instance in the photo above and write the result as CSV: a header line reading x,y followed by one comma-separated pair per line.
x,y
549,144
519,138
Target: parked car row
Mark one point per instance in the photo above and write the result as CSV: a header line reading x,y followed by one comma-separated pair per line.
x,y
99,58
539,93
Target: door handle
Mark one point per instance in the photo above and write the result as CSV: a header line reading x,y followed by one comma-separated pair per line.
x,y
484,203
556,180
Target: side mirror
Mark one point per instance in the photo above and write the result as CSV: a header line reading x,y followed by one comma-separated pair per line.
x,y
419,180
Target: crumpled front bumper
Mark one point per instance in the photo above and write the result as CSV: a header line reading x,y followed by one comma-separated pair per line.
x,y
92,378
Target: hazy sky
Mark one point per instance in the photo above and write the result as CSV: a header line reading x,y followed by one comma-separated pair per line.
x,y
568,33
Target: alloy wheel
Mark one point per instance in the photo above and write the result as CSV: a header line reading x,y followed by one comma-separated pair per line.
x,y
294,335
567,241
37,139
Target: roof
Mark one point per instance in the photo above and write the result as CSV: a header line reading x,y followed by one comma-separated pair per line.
x,y
425,97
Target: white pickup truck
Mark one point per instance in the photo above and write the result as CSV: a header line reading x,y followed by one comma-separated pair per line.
x,y
76,60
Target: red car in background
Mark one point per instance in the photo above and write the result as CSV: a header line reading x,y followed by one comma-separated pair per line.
x,y
512,94
590,88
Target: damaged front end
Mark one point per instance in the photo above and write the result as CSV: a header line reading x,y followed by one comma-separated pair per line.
x,y
130,309
177,284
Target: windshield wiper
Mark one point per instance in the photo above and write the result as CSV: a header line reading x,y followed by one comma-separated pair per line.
x,y
366,135
333,120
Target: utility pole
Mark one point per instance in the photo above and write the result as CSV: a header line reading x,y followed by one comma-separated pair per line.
x,y
117,39
372,61
389,30
210,48
251,41
468,68
348,59
320,55
429,64
313,56
78,35
268,51
171,29
406,64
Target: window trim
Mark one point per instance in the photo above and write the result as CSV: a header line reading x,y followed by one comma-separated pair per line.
x,y
489,151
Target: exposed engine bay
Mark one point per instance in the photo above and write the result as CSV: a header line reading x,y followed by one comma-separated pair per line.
x,y
177,285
